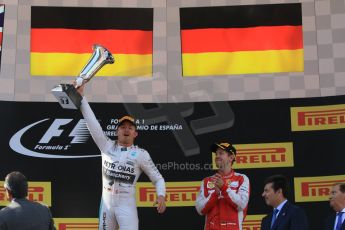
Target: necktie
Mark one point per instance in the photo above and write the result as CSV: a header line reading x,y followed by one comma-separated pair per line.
x,y
274,216
339,222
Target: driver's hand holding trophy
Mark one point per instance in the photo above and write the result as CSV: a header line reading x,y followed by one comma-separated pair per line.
x,y
66,94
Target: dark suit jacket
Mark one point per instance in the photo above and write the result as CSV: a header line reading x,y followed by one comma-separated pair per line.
x,y
22,214
329,223
291,217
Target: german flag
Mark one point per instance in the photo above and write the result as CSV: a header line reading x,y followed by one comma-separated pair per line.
x,y
62,39
244,39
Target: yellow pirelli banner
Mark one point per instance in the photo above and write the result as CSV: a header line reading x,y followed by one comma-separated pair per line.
x,y
317,117
252,222
178,194
263,155
310,189
37,191
76,223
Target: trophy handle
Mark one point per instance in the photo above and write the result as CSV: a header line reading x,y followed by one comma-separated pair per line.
x,y
66,94
99,58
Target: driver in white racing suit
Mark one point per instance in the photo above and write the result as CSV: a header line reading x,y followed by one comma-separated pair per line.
x,y
122,164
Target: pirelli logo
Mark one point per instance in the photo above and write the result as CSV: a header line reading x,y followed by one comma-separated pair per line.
x,y
38,191
266,155
76,223
252,222
178,194
309,189
318,117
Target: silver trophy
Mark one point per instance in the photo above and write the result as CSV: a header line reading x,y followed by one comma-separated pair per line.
x,y
66,94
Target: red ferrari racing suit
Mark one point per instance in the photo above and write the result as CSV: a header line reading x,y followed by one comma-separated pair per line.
x,y
227,209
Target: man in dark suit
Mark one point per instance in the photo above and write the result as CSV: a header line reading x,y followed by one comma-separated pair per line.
x,y
22,214
285,215
337,201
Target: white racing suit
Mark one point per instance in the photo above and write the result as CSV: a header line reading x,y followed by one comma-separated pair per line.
x,y
121,168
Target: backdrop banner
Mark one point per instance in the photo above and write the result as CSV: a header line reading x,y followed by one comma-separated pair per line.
x,y
300,138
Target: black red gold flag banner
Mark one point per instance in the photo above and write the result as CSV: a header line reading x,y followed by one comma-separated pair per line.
x,y
244,39
62,39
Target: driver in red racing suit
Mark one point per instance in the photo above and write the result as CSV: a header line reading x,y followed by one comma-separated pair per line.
x,y
224,197
122,164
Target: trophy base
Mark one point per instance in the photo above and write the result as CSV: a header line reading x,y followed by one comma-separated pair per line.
x,y
67,96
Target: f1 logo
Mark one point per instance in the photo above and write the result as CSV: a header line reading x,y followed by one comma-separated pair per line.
x,y
64,100
79,133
